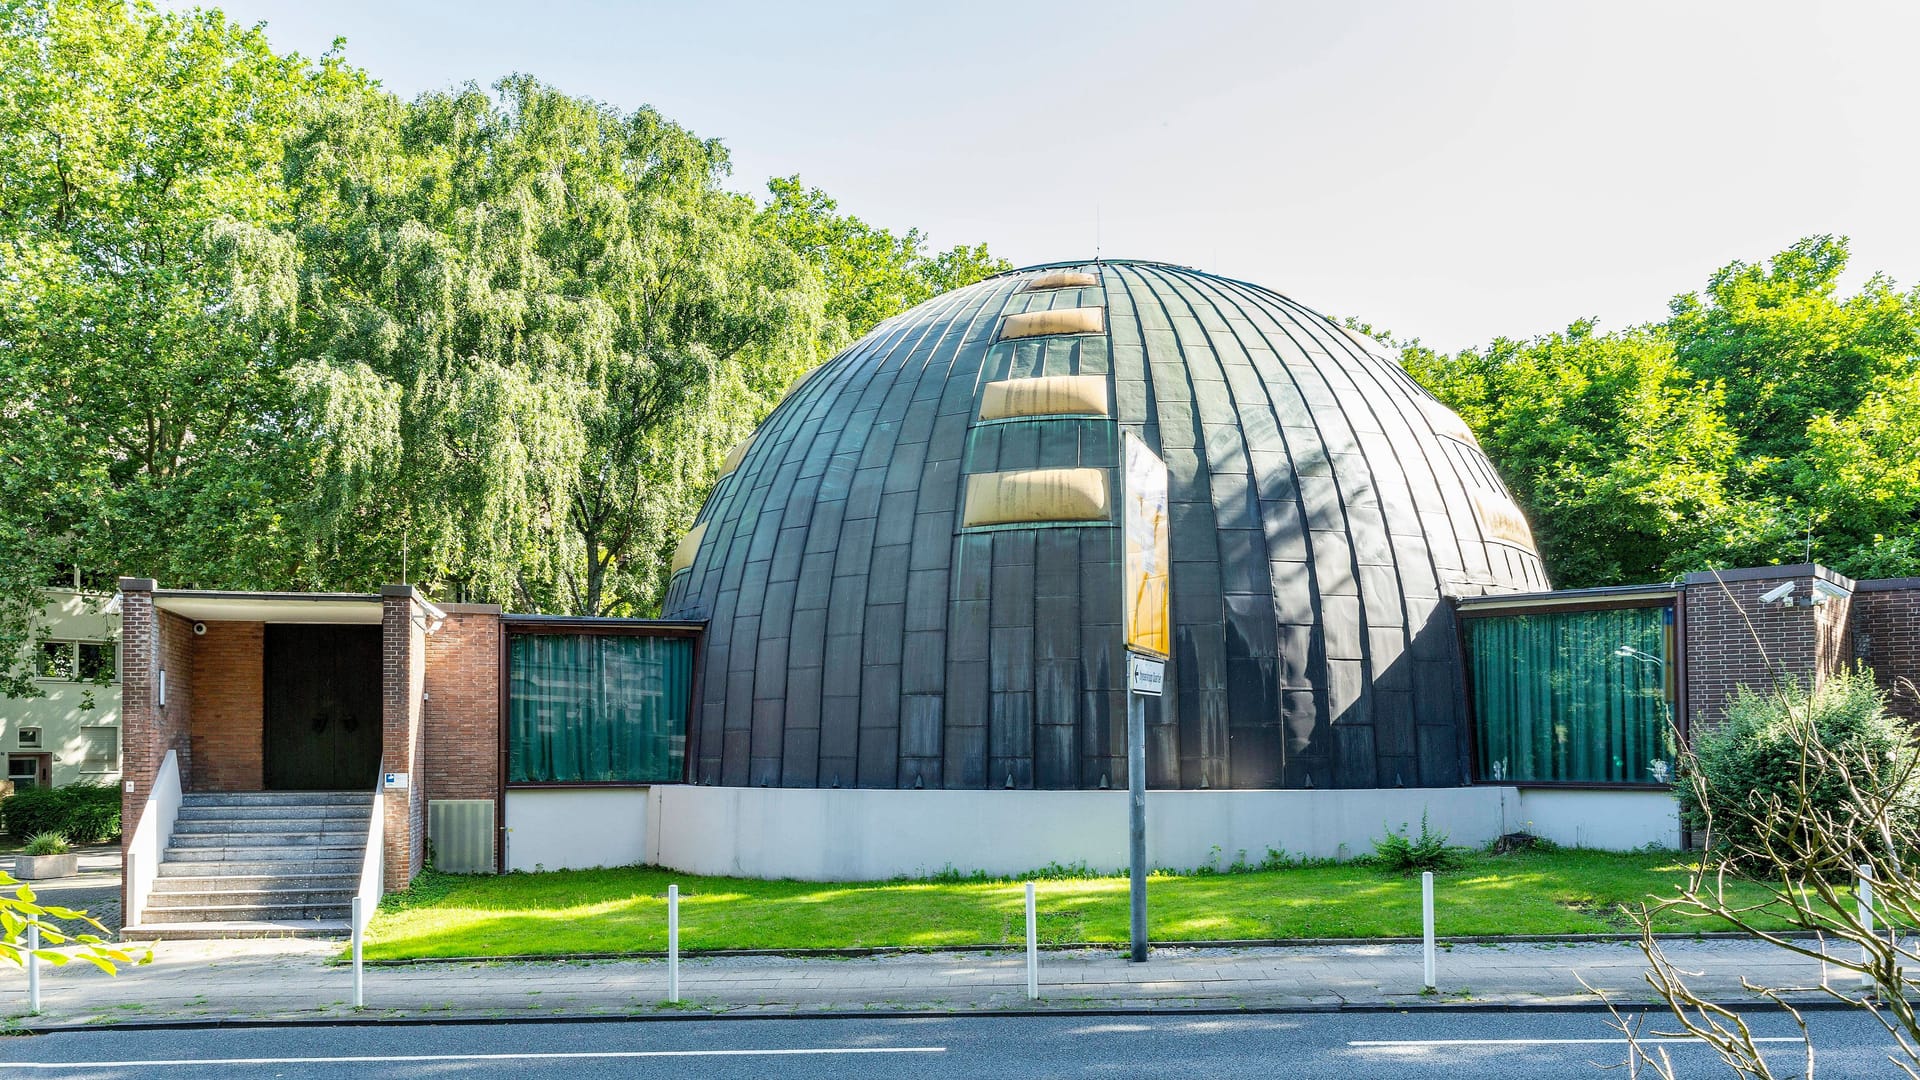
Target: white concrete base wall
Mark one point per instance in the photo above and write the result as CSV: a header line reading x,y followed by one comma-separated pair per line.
x,y
868,835
1608,820
577,828
865,835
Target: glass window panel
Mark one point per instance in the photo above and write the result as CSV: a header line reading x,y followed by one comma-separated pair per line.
x,y
597,708
1572,696
56,660
96,661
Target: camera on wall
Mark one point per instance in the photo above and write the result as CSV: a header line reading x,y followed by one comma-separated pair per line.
x,y
199,629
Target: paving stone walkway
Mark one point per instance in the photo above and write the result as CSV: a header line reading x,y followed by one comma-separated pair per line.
x,y
281,979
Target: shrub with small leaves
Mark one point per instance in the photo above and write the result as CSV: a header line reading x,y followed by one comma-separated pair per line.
x,y
1398,853
1781,761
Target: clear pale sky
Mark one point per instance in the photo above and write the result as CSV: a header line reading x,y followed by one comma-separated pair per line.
x,y
1451,171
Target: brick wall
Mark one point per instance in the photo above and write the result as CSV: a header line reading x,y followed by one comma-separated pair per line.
x,y
462,710
402,682
229,706
1734,640
151,642
1886,637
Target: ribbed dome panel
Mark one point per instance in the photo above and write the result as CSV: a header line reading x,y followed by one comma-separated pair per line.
x,y
859,634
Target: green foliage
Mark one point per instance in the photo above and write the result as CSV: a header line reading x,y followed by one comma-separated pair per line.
x,y
83,813
1754,764
1767,420
57,928
265,325
1399,853
46,843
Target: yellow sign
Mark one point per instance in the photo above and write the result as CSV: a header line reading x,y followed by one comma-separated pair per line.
x,y
1145,525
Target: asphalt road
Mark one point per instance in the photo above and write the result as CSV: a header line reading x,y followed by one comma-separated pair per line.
x,y
1372,1045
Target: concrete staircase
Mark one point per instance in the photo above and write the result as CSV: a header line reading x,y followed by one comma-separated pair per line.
x,y
259,864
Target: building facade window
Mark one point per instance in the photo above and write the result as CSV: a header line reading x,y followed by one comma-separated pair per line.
x,y
96,661
101,750
1580,697
56,660
597,708
78,661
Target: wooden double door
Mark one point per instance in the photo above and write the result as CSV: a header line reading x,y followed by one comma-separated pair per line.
x,y
322,707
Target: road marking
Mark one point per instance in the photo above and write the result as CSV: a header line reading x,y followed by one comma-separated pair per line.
x,y
386,1059
1375,1043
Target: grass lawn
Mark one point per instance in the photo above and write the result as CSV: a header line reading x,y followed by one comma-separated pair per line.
x,y
624,910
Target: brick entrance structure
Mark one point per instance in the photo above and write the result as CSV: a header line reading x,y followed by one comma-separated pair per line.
x,y
193,683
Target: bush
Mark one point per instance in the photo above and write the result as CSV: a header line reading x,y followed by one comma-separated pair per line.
x,y
47,843
1791,760
83,813
1399,854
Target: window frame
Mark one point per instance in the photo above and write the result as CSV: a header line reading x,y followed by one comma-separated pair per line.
x,y
1676,674
113,759
73,674
512,626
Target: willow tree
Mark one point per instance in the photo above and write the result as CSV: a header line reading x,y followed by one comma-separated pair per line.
x,y
509,300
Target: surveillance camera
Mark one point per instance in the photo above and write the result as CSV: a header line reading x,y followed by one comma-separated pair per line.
x,y
1779,594
199,629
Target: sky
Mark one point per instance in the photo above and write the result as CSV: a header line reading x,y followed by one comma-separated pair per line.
x,y
1450,171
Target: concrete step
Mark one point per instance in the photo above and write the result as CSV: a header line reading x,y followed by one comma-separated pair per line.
x,y
262,912
277,798
294,880
281,839
170,899
359,814
186,826
264,854
273,865
237,928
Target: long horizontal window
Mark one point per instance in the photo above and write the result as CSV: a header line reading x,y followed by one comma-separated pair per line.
x,y
1572,696
597,708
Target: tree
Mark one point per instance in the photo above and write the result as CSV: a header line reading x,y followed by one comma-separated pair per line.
x,y
1766,420
145,297
869,273
510,301
1614,449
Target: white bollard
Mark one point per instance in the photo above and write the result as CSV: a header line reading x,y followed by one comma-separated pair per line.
x,y
1863,897
33,965
1426,927
673,944
359,974
1033,948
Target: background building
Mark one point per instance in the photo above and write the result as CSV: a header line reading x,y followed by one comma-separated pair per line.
x,y
71,733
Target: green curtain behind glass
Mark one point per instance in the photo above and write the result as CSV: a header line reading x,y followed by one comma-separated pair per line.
x,y
597,707
1574,696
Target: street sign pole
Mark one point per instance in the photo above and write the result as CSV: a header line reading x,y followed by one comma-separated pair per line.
x,y
1144,607
1137,821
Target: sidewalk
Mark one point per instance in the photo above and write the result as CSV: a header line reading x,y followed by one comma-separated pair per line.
x,y
291,980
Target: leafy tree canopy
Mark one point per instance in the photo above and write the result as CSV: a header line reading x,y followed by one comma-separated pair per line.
x,y
265,325
1770,419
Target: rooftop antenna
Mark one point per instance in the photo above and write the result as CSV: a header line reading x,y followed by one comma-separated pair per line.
x,y
1096,232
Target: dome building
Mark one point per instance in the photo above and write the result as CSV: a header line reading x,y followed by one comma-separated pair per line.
x,y
909,575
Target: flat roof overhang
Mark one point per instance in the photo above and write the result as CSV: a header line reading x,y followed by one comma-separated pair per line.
x,y
211,606
1600,597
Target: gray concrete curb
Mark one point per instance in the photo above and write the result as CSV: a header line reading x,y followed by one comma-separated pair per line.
x,y
1815,1005
1077,946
